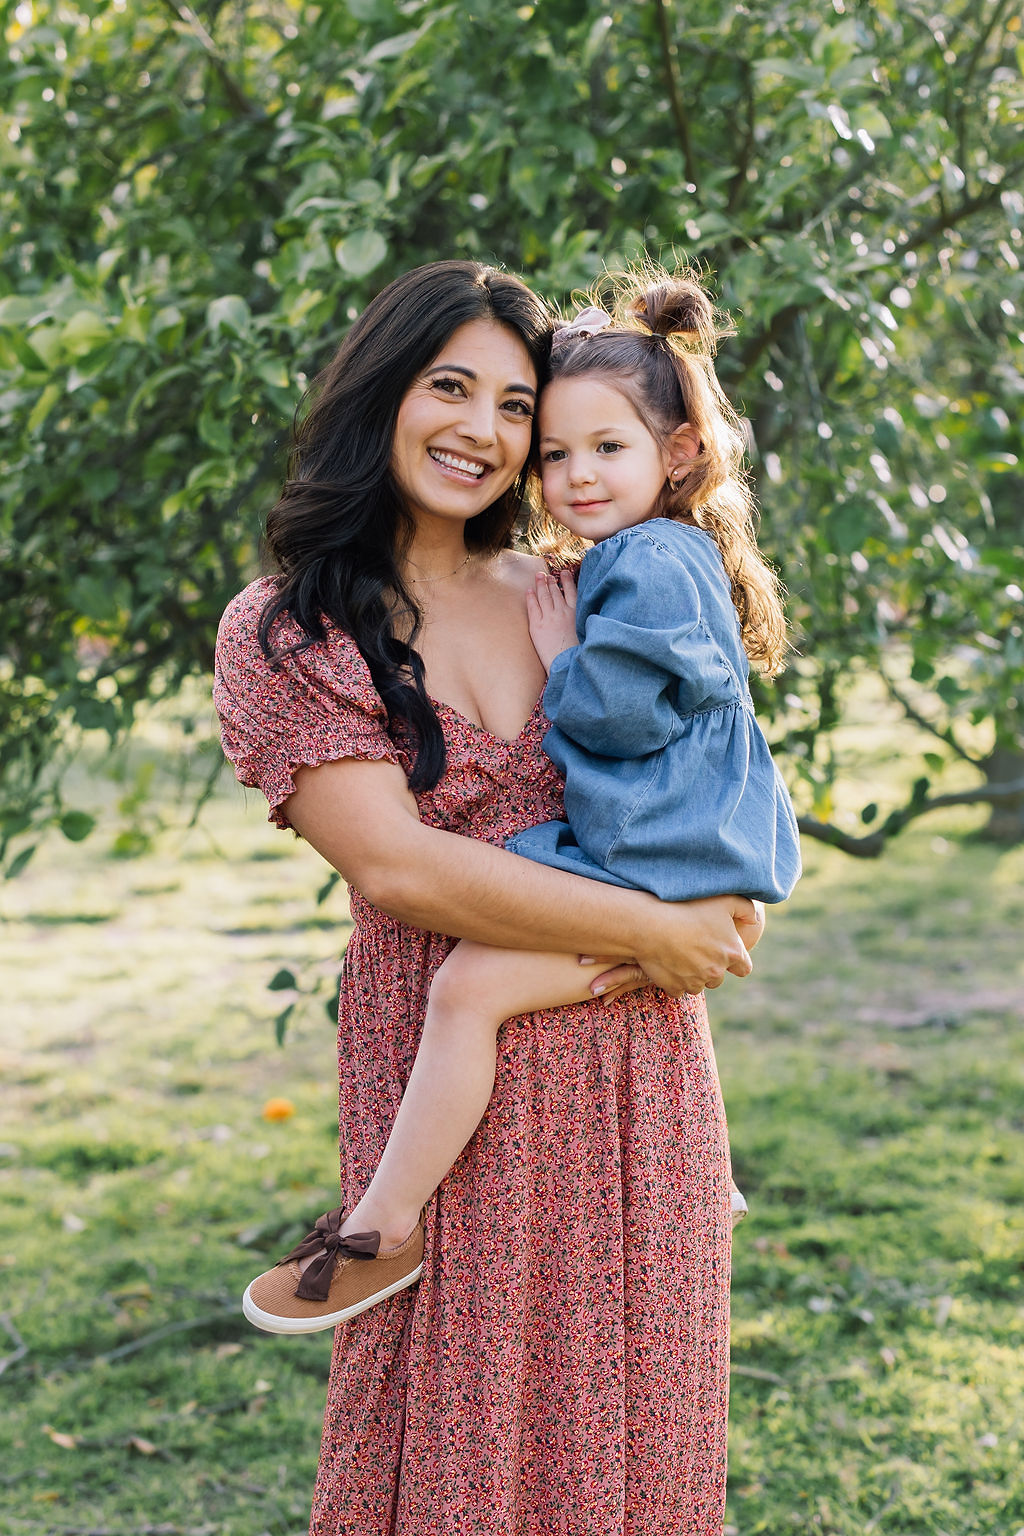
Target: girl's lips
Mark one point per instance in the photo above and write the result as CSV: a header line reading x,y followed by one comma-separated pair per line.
x,y
585,506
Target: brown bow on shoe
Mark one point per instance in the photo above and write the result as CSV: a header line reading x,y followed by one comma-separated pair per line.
x,y
326,1241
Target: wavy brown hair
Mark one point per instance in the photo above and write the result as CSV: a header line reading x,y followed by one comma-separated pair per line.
x,y
660,354
337,532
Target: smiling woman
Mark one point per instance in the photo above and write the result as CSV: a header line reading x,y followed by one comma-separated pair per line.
x,y
465,424
549,1345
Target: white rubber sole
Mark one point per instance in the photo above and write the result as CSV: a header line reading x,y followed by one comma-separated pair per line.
x,y
270,1322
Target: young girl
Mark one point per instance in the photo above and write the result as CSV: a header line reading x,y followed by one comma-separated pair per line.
x,y
669,782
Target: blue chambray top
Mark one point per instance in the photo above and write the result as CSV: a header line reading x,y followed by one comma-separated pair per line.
x,y
670,785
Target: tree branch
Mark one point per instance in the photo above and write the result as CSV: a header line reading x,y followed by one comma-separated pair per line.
x,y
981,42
949,217
20,1347
670,62
870,846
236,96
913,713
739,180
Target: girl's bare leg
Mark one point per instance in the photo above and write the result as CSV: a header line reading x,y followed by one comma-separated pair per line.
x,y
452,1079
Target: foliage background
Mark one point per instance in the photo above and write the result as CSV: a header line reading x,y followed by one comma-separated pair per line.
x,y
194,201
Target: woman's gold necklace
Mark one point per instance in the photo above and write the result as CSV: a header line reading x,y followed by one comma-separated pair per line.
x,y
445,577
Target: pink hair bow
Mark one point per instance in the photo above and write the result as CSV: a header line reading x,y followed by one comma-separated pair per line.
x,y
587,323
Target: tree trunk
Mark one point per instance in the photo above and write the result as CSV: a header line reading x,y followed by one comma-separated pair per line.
x,y
1006,823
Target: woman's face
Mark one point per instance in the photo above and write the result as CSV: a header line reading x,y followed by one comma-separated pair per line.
x,y
464,426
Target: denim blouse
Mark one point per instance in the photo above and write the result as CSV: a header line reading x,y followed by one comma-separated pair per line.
x,y
670,785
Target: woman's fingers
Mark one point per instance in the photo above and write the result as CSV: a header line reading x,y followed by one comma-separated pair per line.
x,y
750,926
695,943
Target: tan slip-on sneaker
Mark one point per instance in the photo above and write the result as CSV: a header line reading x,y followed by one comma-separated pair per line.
x,y
347,1276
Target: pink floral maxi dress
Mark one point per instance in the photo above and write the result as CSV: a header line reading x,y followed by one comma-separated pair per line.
x,y
562,1366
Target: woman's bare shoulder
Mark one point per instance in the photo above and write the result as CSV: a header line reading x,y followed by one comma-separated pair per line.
x,y
518,570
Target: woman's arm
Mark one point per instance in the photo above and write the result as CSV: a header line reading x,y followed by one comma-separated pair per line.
x,y
361,817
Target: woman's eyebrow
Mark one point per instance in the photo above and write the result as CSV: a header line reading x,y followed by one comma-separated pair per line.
x,y
510,389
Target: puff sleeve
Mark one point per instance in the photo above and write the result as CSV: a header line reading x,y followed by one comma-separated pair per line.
x,y
646,656
315,706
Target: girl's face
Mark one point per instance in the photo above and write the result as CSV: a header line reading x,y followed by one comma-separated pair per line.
x,y
464,426
601,469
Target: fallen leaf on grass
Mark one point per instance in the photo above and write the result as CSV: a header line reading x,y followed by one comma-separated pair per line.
x,y
144,1447
225,1351
68,1442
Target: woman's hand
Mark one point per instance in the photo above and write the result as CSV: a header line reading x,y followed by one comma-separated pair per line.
x,y
551,614
690,945
629,975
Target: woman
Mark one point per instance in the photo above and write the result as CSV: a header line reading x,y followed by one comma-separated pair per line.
x,y
563,1363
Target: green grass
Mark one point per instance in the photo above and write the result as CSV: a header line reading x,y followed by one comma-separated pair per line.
x,y
873,1076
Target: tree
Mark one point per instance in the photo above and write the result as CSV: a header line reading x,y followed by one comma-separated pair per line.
x,y
194,203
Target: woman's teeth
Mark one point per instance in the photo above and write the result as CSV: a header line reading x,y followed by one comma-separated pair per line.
x,y
464,466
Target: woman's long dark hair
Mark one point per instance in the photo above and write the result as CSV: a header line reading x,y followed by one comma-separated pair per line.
x,y
340,523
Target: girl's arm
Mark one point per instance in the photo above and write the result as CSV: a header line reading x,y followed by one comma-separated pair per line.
x,y
361,817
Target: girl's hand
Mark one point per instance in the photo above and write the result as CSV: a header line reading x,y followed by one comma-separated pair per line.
x,y
621,976
551,614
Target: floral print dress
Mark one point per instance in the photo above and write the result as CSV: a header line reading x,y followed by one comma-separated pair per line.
x,y
562,1365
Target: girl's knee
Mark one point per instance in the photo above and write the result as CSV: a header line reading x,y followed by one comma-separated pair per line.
x,y
469,981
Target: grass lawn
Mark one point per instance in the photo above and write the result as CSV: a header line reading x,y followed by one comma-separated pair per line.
x,y
873,1073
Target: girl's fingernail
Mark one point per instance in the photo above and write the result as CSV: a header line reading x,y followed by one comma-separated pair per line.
x,y
596,991
586,959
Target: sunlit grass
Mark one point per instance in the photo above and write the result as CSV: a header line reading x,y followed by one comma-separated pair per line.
x,y
873,1077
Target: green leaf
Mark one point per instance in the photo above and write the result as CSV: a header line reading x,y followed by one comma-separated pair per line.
x,y
43,406
18,308
361,252
83,333
228,313
595,37
869,813
404,42
106,261
849,524
18,863
282,981
327,887
76,825
281,1023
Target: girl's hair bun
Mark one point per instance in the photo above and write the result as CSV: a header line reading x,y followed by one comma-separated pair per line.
x,y
678,306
